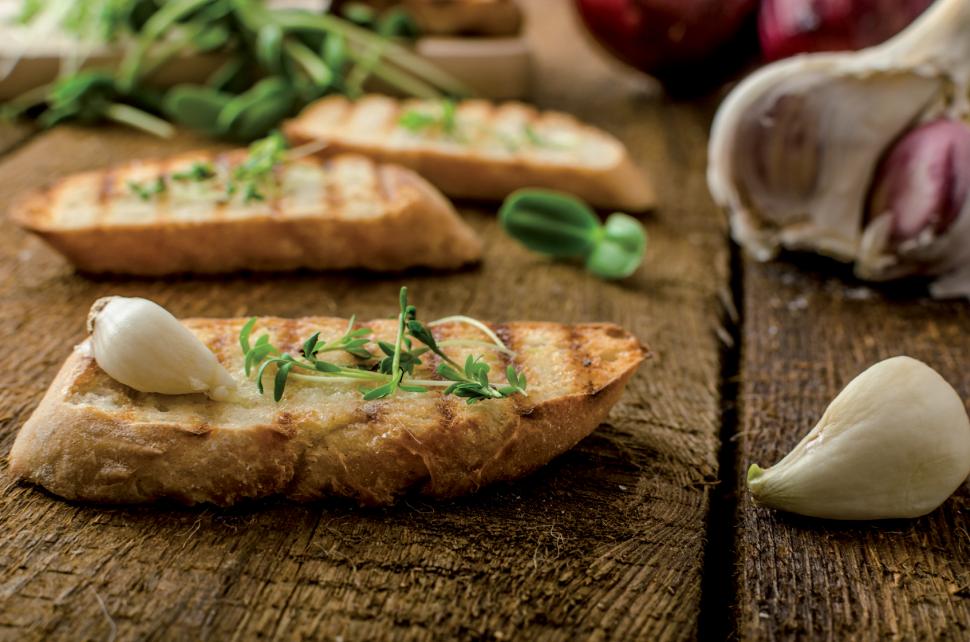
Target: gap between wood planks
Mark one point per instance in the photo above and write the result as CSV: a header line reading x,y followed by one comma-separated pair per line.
x,y
719,580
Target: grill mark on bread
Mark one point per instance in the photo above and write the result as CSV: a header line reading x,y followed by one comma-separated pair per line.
x,y
105,194
382,181
276,195
520,405
288,336
223,166
580,361
163,200
332,201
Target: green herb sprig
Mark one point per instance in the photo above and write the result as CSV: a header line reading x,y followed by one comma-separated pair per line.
x,y
387,374
563,226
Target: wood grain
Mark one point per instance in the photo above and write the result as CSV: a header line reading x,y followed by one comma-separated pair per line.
x,y
605,543
806,335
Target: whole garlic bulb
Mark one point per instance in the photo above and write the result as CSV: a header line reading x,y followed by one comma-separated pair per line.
x,y
894,443
795,147
140,344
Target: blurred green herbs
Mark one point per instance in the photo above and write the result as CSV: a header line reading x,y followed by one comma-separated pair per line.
x,y
275,62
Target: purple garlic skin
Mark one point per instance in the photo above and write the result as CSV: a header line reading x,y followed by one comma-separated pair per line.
x,y
924,180
919,214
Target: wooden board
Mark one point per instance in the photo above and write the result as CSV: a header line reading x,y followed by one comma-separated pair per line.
x,y
605,543
805,336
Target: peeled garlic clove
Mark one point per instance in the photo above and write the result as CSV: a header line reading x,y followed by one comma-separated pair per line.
x,y
919,211
140,344
795,146
894,443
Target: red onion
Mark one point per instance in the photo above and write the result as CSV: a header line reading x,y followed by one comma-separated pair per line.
x,y
684,43
789,27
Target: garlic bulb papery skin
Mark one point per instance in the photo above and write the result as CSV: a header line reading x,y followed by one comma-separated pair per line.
x,y
795,146
140,344
894,443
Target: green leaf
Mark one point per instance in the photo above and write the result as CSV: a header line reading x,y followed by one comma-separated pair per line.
x,y
196,106
269,47
280,382
620,250
379,392
397,23
197,172
550,222
149,189
326,366
261,117
244,333
229,76
266,89
310,346
416,121
261,372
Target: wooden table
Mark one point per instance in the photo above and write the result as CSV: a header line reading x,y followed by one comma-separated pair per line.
x,y
644,531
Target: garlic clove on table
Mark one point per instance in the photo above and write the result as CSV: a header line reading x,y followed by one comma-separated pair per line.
x,y
140,344
894,443
794,148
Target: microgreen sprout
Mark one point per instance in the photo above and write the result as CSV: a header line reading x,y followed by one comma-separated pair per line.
x,y
148,189
444,120
196,172
562,226
387,367
255,174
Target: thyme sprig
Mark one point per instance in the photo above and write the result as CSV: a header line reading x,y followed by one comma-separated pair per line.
x,y
388,369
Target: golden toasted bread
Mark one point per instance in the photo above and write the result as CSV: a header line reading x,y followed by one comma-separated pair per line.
x,y
457,17
345,212
478,149
95,439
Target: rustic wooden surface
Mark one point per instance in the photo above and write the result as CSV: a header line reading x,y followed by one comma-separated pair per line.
x,y
806,335
629,536
605,543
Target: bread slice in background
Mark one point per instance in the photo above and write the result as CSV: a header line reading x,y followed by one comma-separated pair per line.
x,y
455,17
345,212
493,149
92,438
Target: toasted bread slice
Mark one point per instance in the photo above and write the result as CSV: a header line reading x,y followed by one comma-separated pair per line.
x,y
456,17
345,212
483,150
92,438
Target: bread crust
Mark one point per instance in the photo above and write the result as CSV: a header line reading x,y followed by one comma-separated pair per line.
x,y
419,227
621,185
81,452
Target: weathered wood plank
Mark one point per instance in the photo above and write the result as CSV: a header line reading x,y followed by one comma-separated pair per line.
x,y
605,543
805,336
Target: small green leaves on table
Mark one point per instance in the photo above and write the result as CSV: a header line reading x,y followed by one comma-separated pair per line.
x,y
563,226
